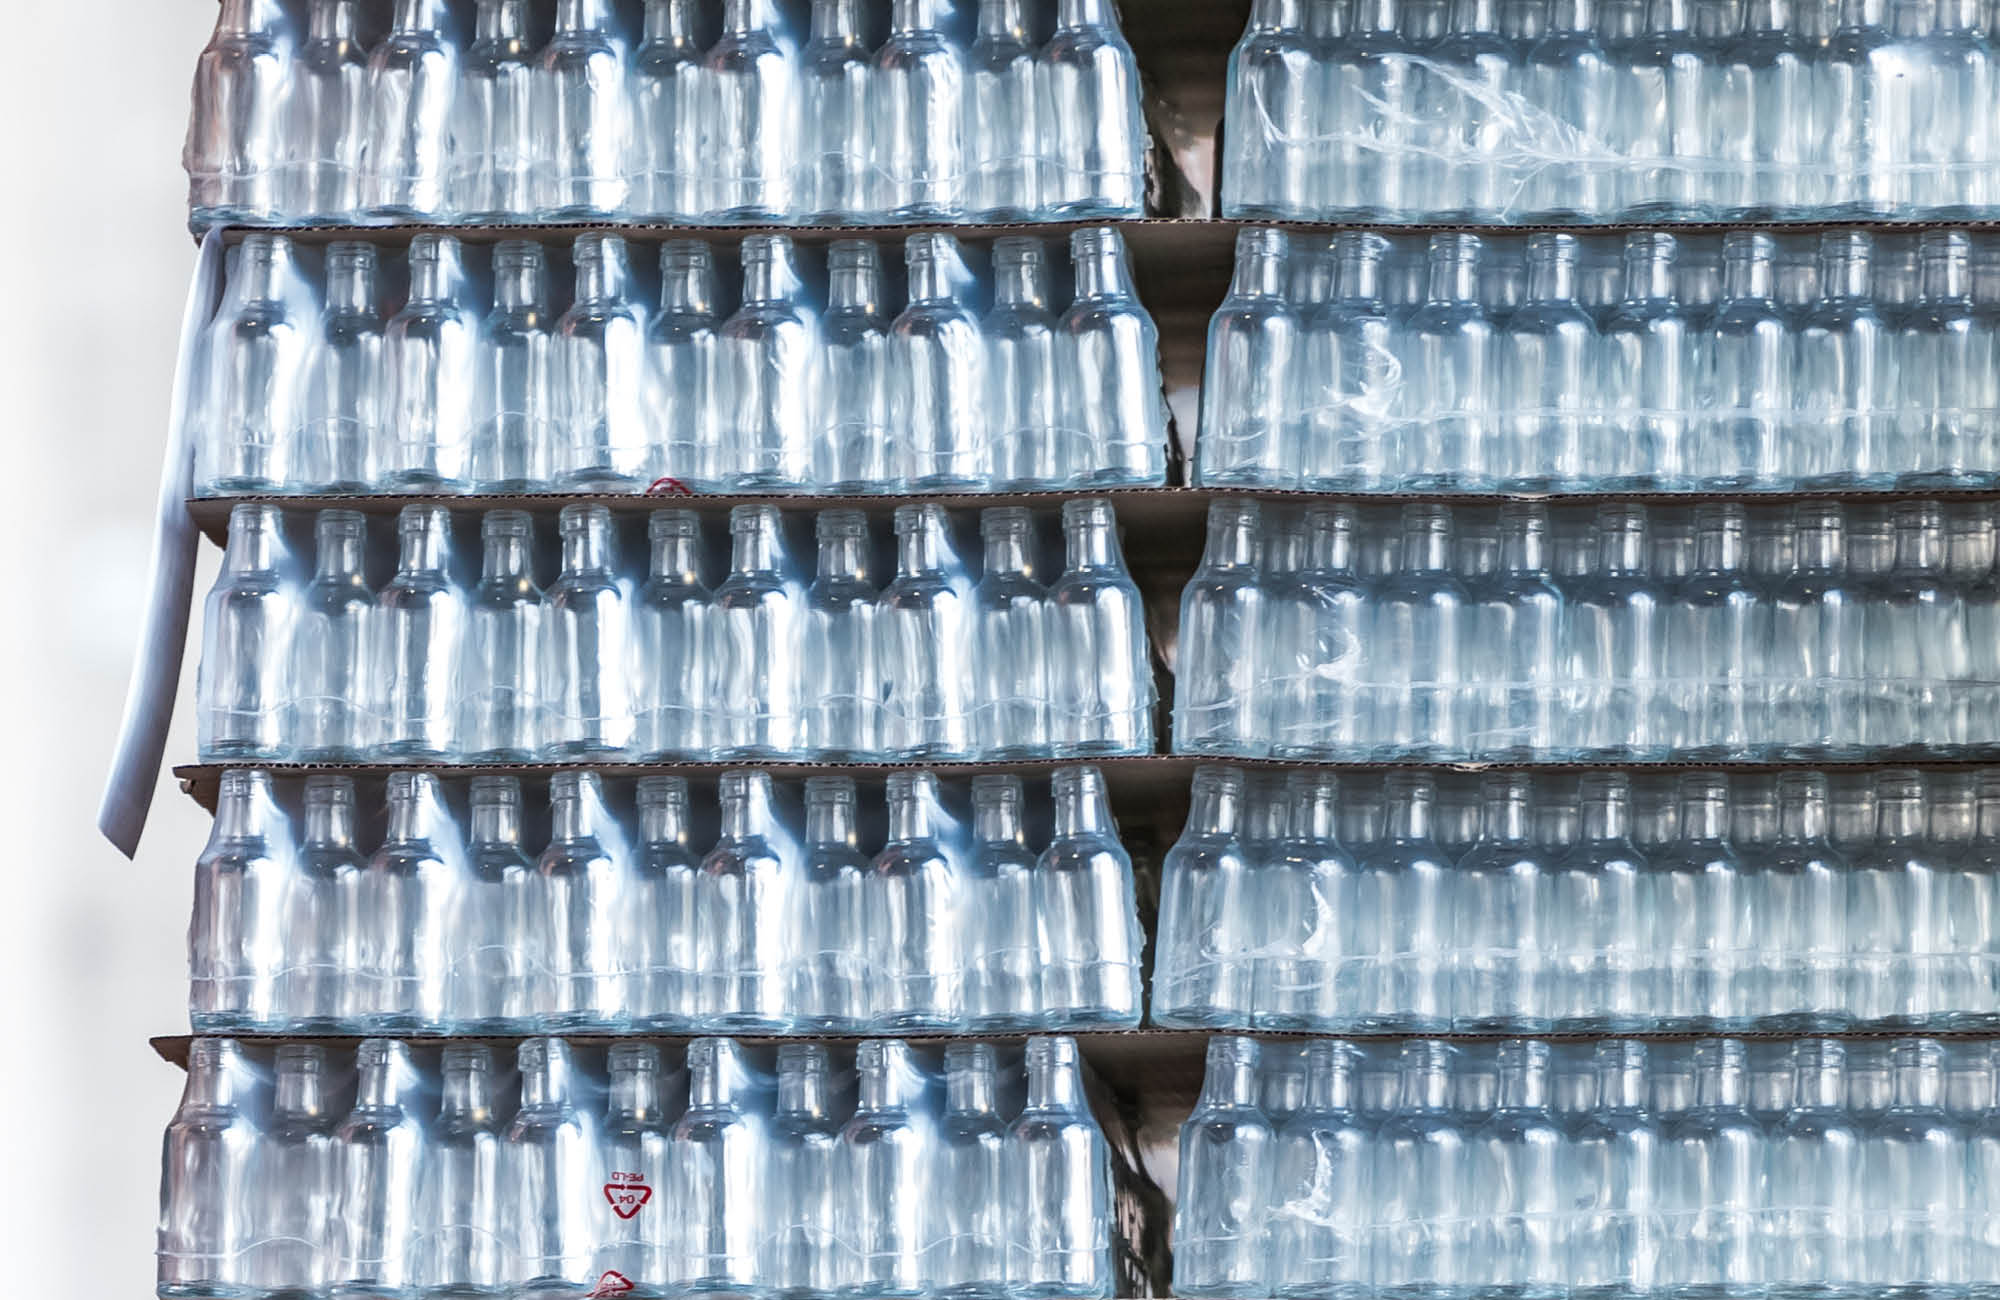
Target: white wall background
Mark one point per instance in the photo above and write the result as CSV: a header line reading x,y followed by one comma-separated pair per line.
x,y
97,256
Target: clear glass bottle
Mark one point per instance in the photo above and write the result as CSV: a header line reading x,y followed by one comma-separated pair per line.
x,y
1817,641
550,1151
919,914
1115,397
1010,171
1422,1181
1004,970
1765,131
1842,383
832,988
1747,373
1616,1239
1306,906
673,631
1322,1173
837,182
1222,666
1712,1159
502,713
1649,373
747,892
246,631
1799,887
1269,147
1502,900
1415,684
320,988
325,113
430,365
1084,907
381,1156
420,621
496,140
1030,445
1318,624
748,124
768,367
1100,667
1938,349
1913,1178
294,1165
1405,982
1703,912
256,355
413,78
1221,1214
887,1151
802,1257
852,437
408,898
838,691
757,618
668,99
1661,77
490,988
601,364
923,622
331,645
586,114
1473,67
1600,901
1548,371
1515,1161
971,1181
1366,91
637,1171
1450,375
1346,440
461,1198
1718,626
236,133
208,1197
1514,620
341,423
1908,678
657,946
1249,396
1892,911
1614,629
919,92
586,670
938,363
685,425
1096,135
717,1155
581,892
1010,640
236,946
1966,899
1201,976
515,421
1059,1174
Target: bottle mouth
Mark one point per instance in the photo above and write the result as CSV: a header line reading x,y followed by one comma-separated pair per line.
x,y
493,791
752,519
466,1060
656,790
841,523
673,523
507,523
1092,510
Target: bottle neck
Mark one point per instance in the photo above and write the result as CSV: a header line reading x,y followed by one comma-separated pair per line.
x,y
1899,818
1090,544
842,556
1705,818
920,550
1232,1084
587,546
1820,1085
1003,20
970,1091
545,1082
1952,819
300,1092
1948,276
663,820
1606,817
518,285
329,824
500,20
1523,548
253,546
601,276
420,550
466,1094
1822,549
1055,1085
379,1083
583,16
1005,552
1100,265
1426,1088
505,558
427,16
1454,277
1719,550
1621,549
1080,807
1020,282
754,550
211,1077
1409,817
635,1092
496,821
1844,274
409,817
909,817
242,808
747,17
1573,16
1085,13
1506,818
1552,278
1919,1086
836,22
669,22
1802,817
1749,273
769,277
831,821
745,813
1919,546
1214,809
1720,1085
1380,17
1649,275
855,287
1427,547
350,286
802,1091
687,286
908,17
248,17
572,814
930,278
674,556
1622,1087
1524,1085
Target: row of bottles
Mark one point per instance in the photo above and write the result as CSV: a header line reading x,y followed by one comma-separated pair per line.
x,y
1653,363
449,369
674,111
1592,903
961,653
466,911
885,1169
1618,631
1815,1167
1577,111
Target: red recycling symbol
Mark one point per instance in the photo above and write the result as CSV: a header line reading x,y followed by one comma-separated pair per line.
x,y
627,1199
612,1283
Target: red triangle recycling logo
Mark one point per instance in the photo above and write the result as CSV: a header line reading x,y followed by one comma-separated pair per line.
x,y
612,1283
627,1199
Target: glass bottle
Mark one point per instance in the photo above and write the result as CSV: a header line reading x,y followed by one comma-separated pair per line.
x,y
1030,445
1419,614
1115,393
1600,900
1842,384
1366,88
1502,899
429,361
412,86
1908,679
588,637
668,98
768,368
1317,620
887,1149
1249,396
1201,974
1717,629
1955,150
1100,667
851,436
325,113
408,897
923,626
1306,906
586,114
420,622
256,355
502,713
919,80
637,1172
1703,917
341,423
1005,969
1939,349
294,1165
319,988
236,946
246,630
756,617
746,894
1614,628
1966,899
1267,154
803,1256
461,1195
514,432
673,629
330,647
1799,887
550,1150
381,1157
1858,99
1096,134
838,182
582,881
490,988
1059,1174
1892,911
1712,1160
1816,641
1222,667
1011,170
496,141
918,911
748,124
1221,1214
1661,77
1764,124
1747,376
1422,1180
601,360
1616,1239
1090,935
838,690
1515,629
832,986
658,943
1649,373
685,426
1913,1182
1474,68
208,1202
1322,1172
1405,982
1515,1160
971,1180
1450,373
1009,637
938,362
236,132
717,1156
1548,369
